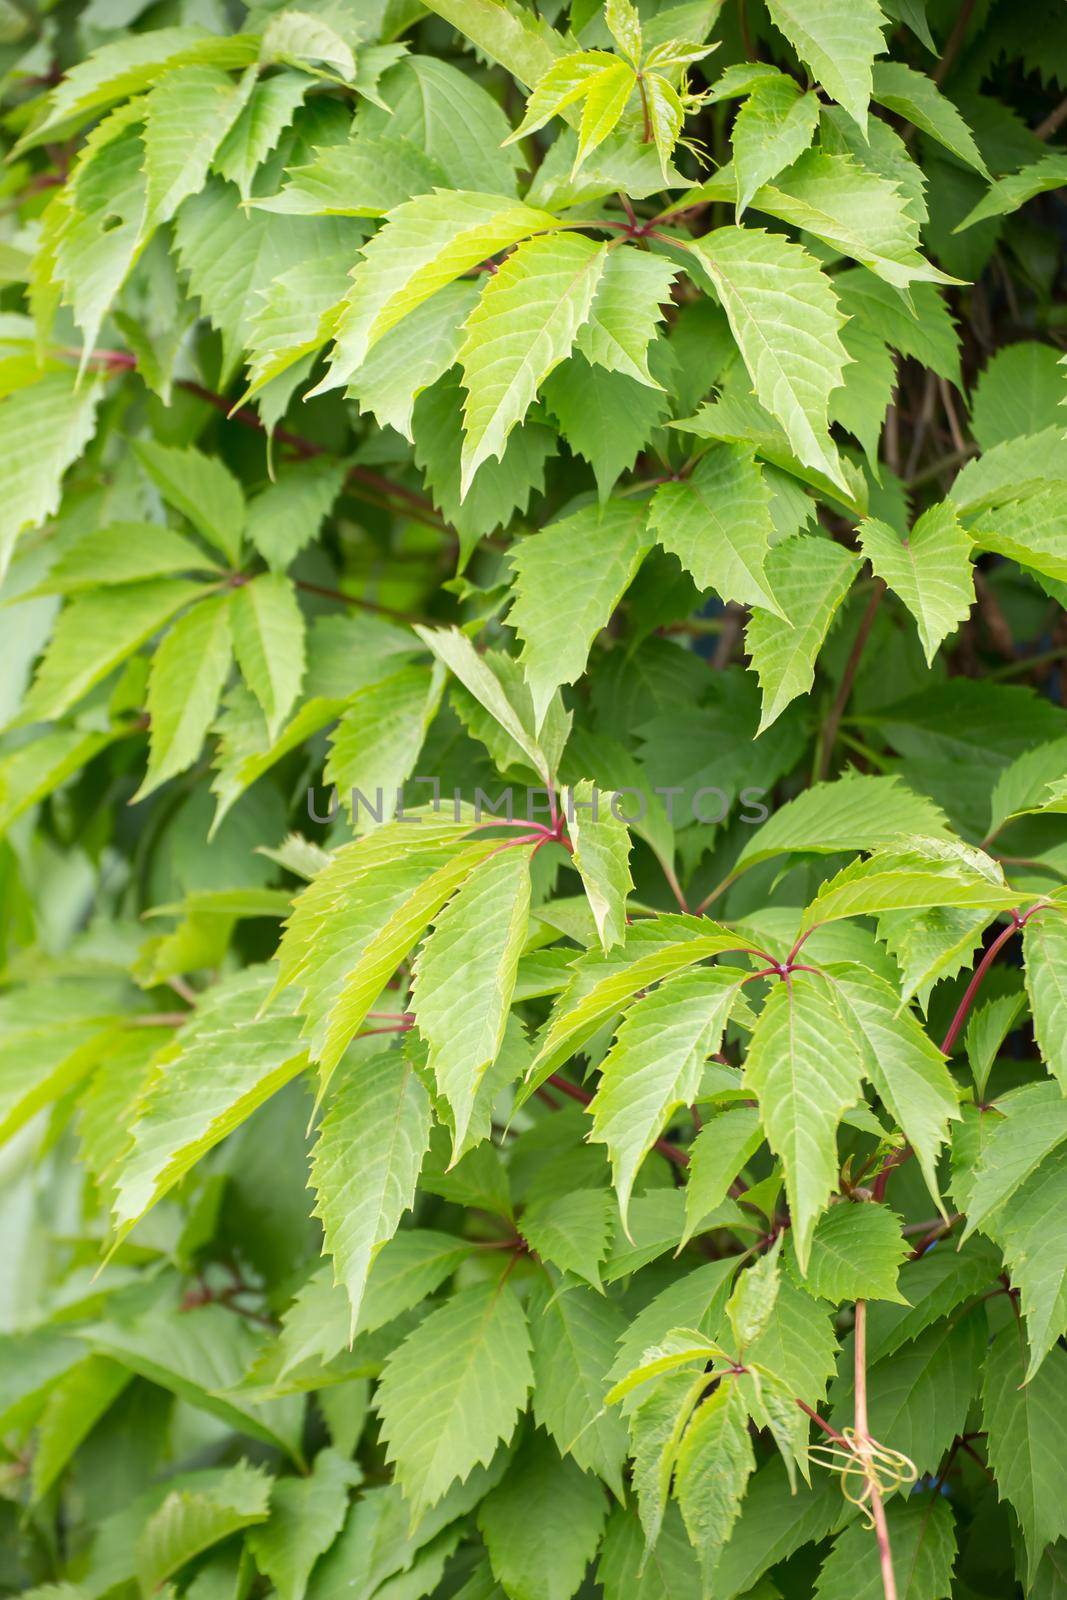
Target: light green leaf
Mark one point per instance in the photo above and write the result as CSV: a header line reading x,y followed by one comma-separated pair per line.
x,y
656,1064
930,570
427,243
455,650
542,1490
810,577
523,326
454,1390
605,417
1031,531
186,680
73,1408
572,1231
750,1307
363,178
628,305
858,811
720,1151
803,1091
1029,1232
717,521
929,873
259,126
95,633
839,44
413,356
376,744
602,856
287,514
1033,1125
775,125
464,978
366,1164
225,1061
569,578
301,37
268,641
187,115
907,1071
46,427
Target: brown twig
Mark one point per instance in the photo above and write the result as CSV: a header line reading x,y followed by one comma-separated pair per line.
x,y
848,678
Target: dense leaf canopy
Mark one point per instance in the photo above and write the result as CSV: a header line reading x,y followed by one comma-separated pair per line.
x,y
533,879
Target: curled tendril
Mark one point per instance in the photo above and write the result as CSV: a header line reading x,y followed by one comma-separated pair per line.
x,y
865,1466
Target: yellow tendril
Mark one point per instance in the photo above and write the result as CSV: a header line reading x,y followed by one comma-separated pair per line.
x,y
865,1466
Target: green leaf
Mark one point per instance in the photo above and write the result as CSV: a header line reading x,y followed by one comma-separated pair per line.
x,y
259,125
1033,1124
717,521
287,514
225,1061
523,326
838,45
464,978
917,97
602,985
858,811
775,125
656,1064
784,316
810,577
306,1515
755,1294
1027,1230
447,113
572,1231
363,178
1008,194
95,634
187,116
720,1151
268,641
930,570
376,744
907,1071
361,917
1032,532
626,310
454,1390
73,1408
455,650
46,428
1025,1443
574,1333
605,417
1045,955
427,243
803,1091
413,356
541,1490
569,578
366,1164
186,680
602,856
202,489
929,873
627,1571
856,1253
922,1538
190,1520
715,1461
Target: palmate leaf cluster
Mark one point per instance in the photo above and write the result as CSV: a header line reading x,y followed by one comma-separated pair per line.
x,y
655,416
